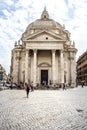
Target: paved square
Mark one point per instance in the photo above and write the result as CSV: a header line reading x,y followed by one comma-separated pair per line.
x,y
44,109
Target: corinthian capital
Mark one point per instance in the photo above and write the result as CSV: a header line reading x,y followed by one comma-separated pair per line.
x,y
62,51
35,50
53,51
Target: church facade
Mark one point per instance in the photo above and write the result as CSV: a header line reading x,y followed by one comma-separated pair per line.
x,y
46,54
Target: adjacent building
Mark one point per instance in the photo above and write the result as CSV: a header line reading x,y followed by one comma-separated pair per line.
x,y
82,68
46,54
3,75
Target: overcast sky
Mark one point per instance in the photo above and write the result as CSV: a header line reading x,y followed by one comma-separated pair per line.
x,y
16,15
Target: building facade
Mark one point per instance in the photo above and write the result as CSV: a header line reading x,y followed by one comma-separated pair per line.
x,y
82,68
46,54
3,75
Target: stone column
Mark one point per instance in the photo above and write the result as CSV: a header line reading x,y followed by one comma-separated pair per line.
x,y
35,68
53,67
61,67
27,66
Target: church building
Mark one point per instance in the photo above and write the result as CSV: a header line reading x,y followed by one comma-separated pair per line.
x,y
45,54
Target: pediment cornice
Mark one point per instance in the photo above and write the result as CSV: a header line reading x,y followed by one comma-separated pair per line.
x,y
43,32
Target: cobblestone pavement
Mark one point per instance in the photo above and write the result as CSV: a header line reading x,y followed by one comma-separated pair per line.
x,y
44,109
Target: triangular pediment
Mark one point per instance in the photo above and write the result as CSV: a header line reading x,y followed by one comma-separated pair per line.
x,y
44,35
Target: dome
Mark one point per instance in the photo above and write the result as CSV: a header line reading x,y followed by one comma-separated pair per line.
x,y
44,23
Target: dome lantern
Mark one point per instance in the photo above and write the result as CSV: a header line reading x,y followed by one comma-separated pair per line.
x,y
45,14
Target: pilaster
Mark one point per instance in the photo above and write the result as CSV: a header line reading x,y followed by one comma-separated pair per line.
x,y
35,68
27,66
72,69
61,66
53,66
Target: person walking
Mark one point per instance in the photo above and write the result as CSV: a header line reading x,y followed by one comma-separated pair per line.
x,y
82,84
31,86
64,85
27,87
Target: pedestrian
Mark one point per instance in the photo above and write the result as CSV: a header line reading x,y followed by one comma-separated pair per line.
x,y
64,85
11,86
82,84
31,86
27,87
43,82
3,83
